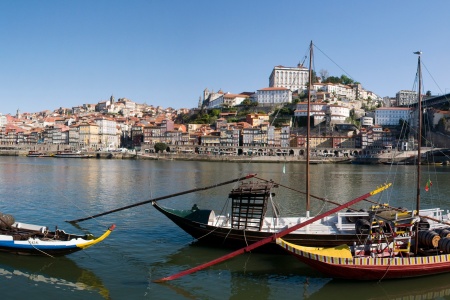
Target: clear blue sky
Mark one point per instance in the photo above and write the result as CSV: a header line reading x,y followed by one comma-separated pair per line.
x,y
65,53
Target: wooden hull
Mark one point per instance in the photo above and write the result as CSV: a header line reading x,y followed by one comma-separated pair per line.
x,y
49,244
235,239
368,268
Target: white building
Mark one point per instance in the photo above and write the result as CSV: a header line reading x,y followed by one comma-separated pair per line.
x,y
293,78
366,121
273,96
404,97
392,115
337,114
107,131
338,91
3,120
227,100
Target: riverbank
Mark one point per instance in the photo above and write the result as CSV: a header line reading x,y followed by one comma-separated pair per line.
x,y
244,158
195,157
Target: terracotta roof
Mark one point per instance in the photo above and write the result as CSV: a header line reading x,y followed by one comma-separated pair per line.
x,y
274,89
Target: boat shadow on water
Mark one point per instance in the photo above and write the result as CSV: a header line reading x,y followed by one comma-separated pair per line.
x,y
251,275
60,272
251,269
429,287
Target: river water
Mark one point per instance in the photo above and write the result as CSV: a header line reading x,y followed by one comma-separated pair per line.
x,y
147,246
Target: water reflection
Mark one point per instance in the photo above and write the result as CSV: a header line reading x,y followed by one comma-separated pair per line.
x,y
250,275
147,246
260,276
61,272
430,287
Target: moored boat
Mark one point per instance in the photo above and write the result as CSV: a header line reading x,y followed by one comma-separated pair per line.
x,y
245,225
342,262
29,239
70,154
33,153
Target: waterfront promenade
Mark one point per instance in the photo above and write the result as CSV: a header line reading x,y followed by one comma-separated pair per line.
x,y
196,157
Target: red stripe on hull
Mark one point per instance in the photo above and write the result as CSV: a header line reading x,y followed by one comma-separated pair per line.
x,y
376,272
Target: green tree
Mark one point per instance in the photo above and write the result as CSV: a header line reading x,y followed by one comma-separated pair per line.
x,y
215,112
160,147
346,80
246,102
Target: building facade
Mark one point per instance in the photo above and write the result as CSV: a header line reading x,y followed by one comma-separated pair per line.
x,y
292,78
390,116
273,96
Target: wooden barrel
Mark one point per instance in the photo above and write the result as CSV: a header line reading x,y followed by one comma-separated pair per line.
x,y
429,238
350,219
362,226
443,233
444,245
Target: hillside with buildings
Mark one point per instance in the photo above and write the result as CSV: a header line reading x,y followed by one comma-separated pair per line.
x,y
343,117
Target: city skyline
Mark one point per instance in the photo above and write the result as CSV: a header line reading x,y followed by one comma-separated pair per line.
x,y
165,53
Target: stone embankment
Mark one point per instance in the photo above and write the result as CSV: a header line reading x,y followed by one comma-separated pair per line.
x,y
197,157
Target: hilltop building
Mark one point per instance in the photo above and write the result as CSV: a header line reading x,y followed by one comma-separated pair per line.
x,y
292,78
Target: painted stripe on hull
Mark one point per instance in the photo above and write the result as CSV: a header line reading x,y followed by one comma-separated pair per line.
x,y
373,268
42,247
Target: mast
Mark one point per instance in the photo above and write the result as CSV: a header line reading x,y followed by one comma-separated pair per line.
x,y
419,144
308,126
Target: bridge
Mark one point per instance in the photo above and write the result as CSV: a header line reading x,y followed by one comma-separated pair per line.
x,y
436,101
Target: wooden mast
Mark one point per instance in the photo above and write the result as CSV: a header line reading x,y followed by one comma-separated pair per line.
x,y
308,131
419,145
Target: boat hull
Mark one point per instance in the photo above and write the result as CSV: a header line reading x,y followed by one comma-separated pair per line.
x,y
36,244
71,156
372,268
237,238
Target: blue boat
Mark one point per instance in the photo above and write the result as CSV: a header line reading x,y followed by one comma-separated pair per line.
x,y
29,239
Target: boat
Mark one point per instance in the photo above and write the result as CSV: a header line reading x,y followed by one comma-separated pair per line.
x,y
248,222
401,256
71,154
33,153
29,239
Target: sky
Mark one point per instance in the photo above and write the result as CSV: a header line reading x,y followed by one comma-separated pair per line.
x,y
166,52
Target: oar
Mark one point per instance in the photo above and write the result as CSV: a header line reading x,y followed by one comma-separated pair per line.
x,y
163,197
273,237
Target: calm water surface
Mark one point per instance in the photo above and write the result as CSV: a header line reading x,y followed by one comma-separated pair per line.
x,y
146,246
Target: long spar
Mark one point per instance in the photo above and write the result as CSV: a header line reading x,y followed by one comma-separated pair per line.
x,y
273,237
163,197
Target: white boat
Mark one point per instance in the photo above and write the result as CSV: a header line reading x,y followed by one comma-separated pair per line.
x,y
70,154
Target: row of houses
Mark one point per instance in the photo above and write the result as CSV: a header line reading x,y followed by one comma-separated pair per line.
x,y
257,133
